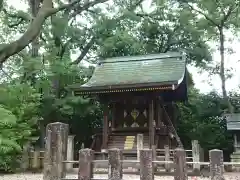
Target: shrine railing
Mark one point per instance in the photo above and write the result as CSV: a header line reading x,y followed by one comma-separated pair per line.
x,y
163,130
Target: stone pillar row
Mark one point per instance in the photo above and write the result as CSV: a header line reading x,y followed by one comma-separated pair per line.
x,y
56,154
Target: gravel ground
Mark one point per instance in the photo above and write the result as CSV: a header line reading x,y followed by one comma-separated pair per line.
x,y
232,176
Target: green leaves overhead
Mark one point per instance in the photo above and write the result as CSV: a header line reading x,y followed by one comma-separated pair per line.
x,y
121,44
1,4
215,18
165,28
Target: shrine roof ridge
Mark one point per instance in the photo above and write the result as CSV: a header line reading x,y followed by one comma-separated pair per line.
x,y
146,57
131,73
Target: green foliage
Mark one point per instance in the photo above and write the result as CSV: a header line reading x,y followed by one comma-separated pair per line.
x,y
19,113
202,119
1,4
157,32
10,135
215,18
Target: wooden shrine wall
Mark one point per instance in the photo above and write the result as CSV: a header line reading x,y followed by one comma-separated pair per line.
x,y
135,114
131,114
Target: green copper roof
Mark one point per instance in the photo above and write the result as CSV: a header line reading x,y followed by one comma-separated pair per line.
x,y
233,121
165,68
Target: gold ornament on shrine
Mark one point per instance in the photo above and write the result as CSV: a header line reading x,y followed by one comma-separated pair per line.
x,y
145,113
134,114
124,113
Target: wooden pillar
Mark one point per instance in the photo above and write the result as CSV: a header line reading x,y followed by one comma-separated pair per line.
x,y
113,115
139,145
159,123
159,113
174,114
105,127
237,141
151,128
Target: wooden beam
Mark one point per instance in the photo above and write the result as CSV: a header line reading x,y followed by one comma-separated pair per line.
x,y
105,127
173,130
159,113
113,115
151,127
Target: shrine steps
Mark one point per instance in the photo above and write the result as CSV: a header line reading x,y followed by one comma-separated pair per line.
x,y
125,142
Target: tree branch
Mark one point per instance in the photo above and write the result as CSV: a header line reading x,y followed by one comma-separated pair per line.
x,y
136,4
5,73
34,28
229,12
64,47
21,16
150,16
92,40
218,3
84,51
86,6
202,13
169,39
16,24
42,38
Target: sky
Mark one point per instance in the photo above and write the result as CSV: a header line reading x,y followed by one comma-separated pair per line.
x,y
202,80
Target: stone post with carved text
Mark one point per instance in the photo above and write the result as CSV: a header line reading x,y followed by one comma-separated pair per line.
x,y
56,151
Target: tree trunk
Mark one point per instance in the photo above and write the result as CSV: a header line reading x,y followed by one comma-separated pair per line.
x,y
222,64
28,75
222,70
35,6
34,28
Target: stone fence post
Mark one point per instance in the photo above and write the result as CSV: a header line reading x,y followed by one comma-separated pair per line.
x,y
35,160
180,169
70,153
25,157
196,155
56,151
85,169
146,164
115,171
216,164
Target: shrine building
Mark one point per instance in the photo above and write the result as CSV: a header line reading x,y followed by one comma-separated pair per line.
x,y
139,94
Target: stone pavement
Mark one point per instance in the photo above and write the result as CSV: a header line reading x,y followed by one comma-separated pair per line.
x,y
28,176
